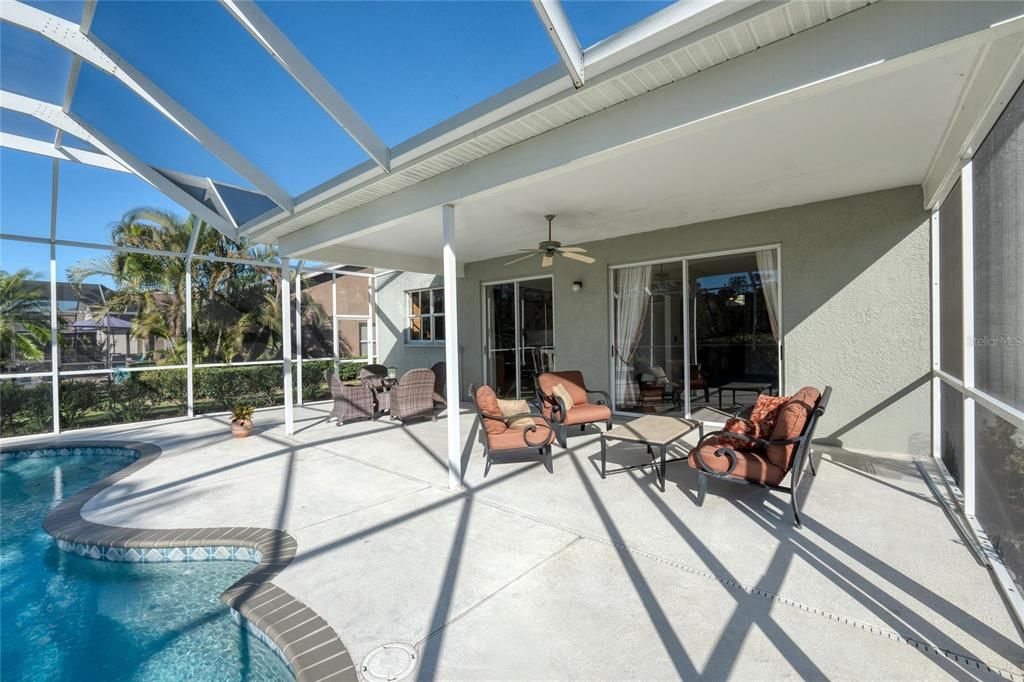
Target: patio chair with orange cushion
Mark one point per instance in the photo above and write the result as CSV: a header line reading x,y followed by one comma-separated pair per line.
x,y
762,450
512,430
564,399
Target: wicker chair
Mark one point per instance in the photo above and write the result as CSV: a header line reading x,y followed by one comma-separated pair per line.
x,y
350,402
440,376
375,377
413,396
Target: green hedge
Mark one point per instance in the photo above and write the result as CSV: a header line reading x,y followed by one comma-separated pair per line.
x,y
25,409
140,396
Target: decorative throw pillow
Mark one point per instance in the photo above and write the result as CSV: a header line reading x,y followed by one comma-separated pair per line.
x,y
766,413
511,408
741,426
659,375
560,391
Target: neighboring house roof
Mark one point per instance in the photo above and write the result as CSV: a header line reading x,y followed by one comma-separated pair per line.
x,y
105,322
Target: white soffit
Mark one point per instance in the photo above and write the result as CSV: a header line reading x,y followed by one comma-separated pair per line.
x,y
685,57
791,156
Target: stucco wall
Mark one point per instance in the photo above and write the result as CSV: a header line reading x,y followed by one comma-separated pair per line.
x,y
855,291
855,308
393,351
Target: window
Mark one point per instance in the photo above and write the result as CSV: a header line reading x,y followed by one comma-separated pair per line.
x,y
364,340
425,323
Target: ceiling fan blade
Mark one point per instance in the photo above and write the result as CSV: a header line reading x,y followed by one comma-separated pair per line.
x,y
547,260
581,258
521,258
573,249
530,250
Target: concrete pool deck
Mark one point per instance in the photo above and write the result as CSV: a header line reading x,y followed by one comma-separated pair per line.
x,y
534,575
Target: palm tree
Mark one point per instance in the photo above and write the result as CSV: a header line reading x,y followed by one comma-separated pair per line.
x,y
24,318
236,306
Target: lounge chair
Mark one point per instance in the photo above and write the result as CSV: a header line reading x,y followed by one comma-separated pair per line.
x,y
580,413
510,442
737,458
350,402
413,396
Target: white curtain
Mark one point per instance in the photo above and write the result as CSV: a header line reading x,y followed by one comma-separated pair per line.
x,y
768,266
633,299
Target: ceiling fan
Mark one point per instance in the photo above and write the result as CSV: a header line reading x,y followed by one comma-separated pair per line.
x,y
549,248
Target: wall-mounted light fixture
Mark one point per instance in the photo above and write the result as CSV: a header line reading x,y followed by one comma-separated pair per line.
x,y
577,286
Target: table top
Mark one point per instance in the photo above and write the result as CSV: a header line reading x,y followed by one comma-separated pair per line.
x,y
654,429
748,385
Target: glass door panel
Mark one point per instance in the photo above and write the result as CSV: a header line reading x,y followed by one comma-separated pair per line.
x,y
647,343
734,347
519,335
537,332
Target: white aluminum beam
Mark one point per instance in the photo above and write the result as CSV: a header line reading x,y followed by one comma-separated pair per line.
x,y
451,348
996,74
873,41
286,347
69,123
559,28
371,258
32,146
305,74
70,36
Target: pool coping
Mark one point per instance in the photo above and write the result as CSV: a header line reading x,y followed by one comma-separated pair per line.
x,y
294,631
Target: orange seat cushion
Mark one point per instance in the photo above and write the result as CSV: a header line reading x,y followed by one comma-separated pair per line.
x,y
750,464
587,414
487,401
515,439
791,422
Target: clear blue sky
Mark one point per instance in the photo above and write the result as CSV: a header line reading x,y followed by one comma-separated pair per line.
x,y
404,66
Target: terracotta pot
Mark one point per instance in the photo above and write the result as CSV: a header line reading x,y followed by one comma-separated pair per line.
x,y
241,429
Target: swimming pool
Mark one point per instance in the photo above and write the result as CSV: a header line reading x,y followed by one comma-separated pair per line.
x,y
66,617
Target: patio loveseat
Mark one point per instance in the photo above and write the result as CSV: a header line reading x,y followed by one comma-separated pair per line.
x,y
729,455
577,410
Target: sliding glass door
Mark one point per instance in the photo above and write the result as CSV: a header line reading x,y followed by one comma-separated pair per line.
x,y
518,334
696,332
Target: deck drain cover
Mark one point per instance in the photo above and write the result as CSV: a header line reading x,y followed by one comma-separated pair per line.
x,y
389,662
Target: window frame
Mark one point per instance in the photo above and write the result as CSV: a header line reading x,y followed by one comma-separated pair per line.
x,y
428,317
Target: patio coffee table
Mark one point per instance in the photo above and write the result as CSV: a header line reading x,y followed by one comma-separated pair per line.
x,y
652,431
751,386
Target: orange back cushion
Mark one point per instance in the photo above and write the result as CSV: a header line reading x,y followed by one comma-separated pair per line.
x,y
571,380
487,401
766,413
791,422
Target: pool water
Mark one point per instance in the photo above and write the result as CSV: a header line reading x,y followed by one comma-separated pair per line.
x,y
65,617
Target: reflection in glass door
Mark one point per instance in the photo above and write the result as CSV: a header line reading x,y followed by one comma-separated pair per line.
x,y
519,335
696,332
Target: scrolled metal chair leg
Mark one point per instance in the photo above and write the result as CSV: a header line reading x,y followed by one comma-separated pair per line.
x,y
702,488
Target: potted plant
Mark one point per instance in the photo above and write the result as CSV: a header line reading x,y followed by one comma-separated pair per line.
x,y
241,420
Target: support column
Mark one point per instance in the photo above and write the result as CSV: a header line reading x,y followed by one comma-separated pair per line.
x,y
54,321
189,367
451,349
286,346
334,321
54,341
967,231
298,334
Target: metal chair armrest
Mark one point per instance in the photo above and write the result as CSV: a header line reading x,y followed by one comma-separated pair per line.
x,y
607,400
